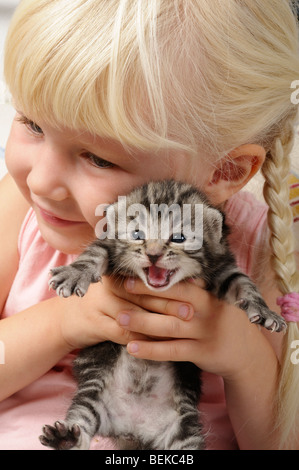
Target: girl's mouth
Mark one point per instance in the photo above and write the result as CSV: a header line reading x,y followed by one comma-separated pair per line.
x,y
56,221
158,277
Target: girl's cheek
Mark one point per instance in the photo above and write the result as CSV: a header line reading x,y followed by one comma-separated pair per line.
x,y
18,165
11,159
13,152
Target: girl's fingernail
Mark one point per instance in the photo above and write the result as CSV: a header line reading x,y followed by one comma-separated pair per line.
x,y
130,283
124,319
133,348
184,311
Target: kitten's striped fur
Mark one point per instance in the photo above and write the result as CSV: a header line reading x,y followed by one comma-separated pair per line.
x,y
146,404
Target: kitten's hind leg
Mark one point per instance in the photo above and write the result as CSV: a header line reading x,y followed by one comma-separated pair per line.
x,y
80,425
184,430
62,436
76,277
87,414
238,289
189,434
181,428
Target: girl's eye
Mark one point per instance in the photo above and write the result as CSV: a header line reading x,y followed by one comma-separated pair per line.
x,y
32,126
97,161
35,128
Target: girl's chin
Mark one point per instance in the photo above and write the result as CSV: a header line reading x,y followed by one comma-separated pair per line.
x,y
65,240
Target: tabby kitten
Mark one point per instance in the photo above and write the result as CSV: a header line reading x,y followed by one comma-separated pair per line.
x,y
146,404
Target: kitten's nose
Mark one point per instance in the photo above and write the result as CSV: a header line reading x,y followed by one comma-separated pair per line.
x,y
154,250
154,258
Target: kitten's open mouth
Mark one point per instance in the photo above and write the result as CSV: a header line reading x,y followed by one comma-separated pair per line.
x,y
158,277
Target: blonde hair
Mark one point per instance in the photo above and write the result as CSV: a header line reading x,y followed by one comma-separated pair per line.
x,y
276,170
172,74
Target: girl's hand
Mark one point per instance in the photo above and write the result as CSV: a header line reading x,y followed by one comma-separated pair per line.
x,y
216,336
91,319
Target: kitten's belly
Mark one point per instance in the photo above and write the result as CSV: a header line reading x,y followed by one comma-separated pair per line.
x,y
139,396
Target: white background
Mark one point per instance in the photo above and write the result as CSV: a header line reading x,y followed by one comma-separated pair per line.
x,y
6,111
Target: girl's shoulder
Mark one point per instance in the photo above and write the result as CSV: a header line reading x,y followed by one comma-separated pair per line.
x,y
247,218
35,260
244,208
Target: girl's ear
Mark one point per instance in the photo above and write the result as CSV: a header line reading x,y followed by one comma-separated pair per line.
x,y
234,171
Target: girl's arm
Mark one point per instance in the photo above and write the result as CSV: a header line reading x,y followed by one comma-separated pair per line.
x,y
32,344
256,390
29,334
13,208
250,399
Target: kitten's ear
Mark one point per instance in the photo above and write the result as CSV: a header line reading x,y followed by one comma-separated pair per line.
x,y
213,222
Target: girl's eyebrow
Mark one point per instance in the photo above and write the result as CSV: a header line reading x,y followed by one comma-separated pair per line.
x,y
20,112
111,150
23,115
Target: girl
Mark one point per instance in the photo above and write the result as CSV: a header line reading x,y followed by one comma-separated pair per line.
x,y
110,95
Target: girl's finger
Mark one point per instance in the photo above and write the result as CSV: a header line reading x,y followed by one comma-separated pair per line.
x,y
181,291
110,330
178,309
170,350
152,303
177,292
153,324
189,293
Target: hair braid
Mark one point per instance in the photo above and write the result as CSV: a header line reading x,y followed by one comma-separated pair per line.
x,y
276,192
276,171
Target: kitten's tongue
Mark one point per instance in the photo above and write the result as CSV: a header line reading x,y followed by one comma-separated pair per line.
x,y
158,277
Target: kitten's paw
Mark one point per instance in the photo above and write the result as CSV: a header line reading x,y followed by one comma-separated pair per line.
x,y
69,280
263,316
61,436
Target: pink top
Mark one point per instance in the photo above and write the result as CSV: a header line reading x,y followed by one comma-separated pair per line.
x,y
46,400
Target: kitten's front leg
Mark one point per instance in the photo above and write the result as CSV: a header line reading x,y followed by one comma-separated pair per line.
x,y
238,289
76,277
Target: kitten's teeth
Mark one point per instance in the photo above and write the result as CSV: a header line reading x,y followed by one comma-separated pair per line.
x,y
158,277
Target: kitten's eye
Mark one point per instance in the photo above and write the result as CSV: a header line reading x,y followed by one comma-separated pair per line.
x,y
97,161
138,235
177,238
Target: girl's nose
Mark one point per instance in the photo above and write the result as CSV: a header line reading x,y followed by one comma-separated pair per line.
x,y
48,177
